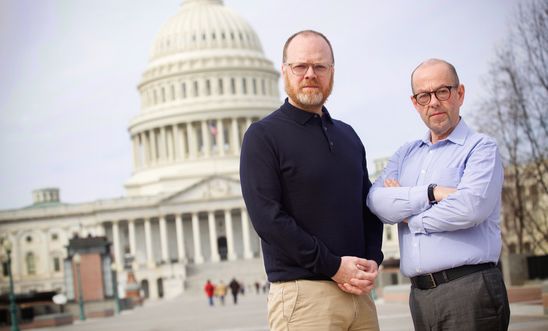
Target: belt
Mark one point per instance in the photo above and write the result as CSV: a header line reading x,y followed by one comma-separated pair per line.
x,y
433,280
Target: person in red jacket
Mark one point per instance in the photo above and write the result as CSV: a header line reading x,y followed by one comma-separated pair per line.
x,y
209,289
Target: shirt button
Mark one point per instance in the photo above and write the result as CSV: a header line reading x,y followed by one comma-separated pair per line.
x,y
415,245
418,269
331,143
325,128
423,171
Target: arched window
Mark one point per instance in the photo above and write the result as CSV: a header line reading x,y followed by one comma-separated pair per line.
x,y
221,89
244,86
208,87
56,264
30,260
196,88
183,90
232,86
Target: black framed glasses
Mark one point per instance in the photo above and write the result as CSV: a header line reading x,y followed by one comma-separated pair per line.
x,y
442,94
300,69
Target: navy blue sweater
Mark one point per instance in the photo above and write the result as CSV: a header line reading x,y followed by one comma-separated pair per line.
x,y
305,182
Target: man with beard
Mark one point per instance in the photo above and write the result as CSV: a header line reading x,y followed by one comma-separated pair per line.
x,y
304,180
444,193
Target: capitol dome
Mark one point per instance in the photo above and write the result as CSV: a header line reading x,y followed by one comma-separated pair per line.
x,y
204,25
206,81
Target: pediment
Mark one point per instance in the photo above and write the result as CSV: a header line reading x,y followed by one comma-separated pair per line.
x,y
211,188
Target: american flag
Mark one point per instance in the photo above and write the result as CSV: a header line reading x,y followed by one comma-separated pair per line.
x,y
212,128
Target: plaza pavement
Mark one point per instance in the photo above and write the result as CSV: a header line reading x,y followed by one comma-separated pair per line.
x,y
191,312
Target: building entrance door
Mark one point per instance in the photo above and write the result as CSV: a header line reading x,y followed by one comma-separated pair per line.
x,y
223,249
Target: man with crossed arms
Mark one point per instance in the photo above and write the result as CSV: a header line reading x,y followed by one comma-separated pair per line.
x,y
444,193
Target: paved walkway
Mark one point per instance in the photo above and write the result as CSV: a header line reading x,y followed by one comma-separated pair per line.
x,y
193,313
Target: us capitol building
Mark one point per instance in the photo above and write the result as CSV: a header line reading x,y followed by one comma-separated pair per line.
x,y
207,80
183,219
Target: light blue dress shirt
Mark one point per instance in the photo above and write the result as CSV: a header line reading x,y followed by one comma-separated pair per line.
x,y
462,229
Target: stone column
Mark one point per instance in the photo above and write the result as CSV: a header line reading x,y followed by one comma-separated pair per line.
x,y
229,236
46,254
235,137
163,144
206,139
154,154
148,243
180,238
198,257
177,148
213,237
163,239
131,233
220,138
170,143
146,144
16,258
245,231
136,154
116,244
183,143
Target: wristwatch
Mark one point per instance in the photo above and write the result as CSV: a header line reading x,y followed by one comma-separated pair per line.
x,y
430,191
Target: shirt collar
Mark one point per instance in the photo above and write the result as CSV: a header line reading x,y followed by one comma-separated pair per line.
x,y
458,136
300,116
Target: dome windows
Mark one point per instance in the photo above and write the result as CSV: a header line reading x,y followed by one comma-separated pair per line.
x,y
221,90
183,90
207,87
244,86
248,84
195,89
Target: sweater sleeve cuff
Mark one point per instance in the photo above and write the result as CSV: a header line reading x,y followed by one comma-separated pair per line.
x,y
332,265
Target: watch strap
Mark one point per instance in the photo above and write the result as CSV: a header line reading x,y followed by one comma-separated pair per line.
x,y
430,192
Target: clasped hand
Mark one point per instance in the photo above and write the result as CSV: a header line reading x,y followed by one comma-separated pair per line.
x,y
356,275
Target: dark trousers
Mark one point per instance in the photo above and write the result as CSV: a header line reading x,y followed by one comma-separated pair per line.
x,y
474,302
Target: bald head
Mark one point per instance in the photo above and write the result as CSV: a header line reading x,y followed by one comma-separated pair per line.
x,y
431,62
306,33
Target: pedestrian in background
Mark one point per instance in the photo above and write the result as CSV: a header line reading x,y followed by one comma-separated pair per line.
x,y
220,292
209,290
234,289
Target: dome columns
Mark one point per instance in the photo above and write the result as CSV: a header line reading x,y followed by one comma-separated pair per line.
x,y
189,141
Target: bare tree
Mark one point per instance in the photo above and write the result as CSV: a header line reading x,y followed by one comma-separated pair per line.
x,y
514,111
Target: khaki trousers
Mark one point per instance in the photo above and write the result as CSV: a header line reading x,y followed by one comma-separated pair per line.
x,y
318,305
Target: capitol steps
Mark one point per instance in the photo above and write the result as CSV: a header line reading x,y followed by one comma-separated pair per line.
x,y
245,271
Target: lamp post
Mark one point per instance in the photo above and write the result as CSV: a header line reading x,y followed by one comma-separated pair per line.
x,y
77,259
6,246
114,269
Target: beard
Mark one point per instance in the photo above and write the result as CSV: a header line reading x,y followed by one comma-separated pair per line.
x,y
308,98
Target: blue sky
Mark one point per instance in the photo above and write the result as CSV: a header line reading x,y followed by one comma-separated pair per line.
x,y
69,71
